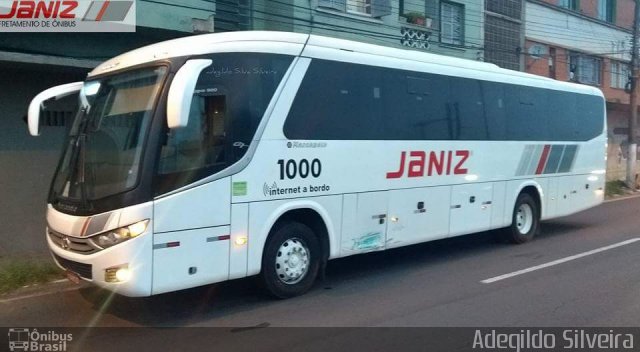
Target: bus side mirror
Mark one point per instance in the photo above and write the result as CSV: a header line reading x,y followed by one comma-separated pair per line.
x,y
181,92
36,105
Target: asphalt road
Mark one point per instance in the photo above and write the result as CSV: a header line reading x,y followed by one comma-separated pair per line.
x,y
582,270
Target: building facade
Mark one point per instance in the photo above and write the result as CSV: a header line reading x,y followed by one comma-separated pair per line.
x,y
588,42
453,28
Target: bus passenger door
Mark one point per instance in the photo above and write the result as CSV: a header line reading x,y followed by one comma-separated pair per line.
x,y
191,237
471,206
364,222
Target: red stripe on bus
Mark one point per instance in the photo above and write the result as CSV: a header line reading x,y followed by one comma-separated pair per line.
x,y
102,10
85,226
543,159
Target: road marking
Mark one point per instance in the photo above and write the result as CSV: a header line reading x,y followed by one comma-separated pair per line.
x,y
559,261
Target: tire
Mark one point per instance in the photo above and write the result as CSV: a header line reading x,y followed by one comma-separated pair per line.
x,y
291,260
525,221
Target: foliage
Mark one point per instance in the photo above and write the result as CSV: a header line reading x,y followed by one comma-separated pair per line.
x,y
16,273
615,188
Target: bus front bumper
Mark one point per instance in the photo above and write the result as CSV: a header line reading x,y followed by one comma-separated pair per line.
x,y
124,268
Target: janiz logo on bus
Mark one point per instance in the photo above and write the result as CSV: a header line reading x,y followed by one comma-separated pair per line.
x,y
45,9
420,164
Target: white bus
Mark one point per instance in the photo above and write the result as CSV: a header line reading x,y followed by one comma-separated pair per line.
x,y
221,156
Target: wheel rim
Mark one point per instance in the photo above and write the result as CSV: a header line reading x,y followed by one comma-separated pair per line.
x,y
524,218
292,261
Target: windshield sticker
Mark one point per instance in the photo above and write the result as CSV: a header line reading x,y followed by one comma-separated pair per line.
x,y
227,71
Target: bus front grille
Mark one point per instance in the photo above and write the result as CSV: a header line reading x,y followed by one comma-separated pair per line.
x,y
84,270
73,244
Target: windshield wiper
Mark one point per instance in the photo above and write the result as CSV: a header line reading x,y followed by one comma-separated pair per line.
x,y
82,140
76,172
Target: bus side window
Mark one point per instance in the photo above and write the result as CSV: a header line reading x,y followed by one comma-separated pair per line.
x,y
469,118
202,142
563,124
426,115
230,98
215,136
495,112
589,117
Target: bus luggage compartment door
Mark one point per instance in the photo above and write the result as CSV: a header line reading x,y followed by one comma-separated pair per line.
x,y
364,222
418,215
471,206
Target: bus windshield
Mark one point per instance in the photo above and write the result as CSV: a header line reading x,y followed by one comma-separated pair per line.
x,y
103,153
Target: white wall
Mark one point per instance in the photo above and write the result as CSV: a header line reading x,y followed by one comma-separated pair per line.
x,y
550,26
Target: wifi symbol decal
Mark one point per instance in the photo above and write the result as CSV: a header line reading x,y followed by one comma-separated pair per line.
x,y
266,189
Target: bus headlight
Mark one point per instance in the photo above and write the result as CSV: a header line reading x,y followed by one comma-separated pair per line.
x,y
113,237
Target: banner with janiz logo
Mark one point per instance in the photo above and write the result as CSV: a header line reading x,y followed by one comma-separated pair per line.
x,y
67,16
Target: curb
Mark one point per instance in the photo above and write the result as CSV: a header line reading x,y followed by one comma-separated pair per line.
x,y
43,289
635,194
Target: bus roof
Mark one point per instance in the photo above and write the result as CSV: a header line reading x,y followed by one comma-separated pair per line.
x,y
198,45
302,44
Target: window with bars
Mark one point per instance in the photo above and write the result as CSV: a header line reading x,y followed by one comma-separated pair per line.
x,y
619,75
451,23
585,69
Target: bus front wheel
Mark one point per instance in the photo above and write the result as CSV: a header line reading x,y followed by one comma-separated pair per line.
x,y
291,260
525,221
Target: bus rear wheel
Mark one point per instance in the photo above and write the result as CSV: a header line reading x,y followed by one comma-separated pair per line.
x,y
525,221
291,260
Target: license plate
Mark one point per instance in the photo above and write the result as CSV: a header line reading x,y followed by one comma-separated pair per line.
x,y
73,277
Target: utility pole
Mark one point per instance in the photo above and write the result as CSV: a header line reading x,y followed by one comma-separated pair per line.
x,y
633,118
